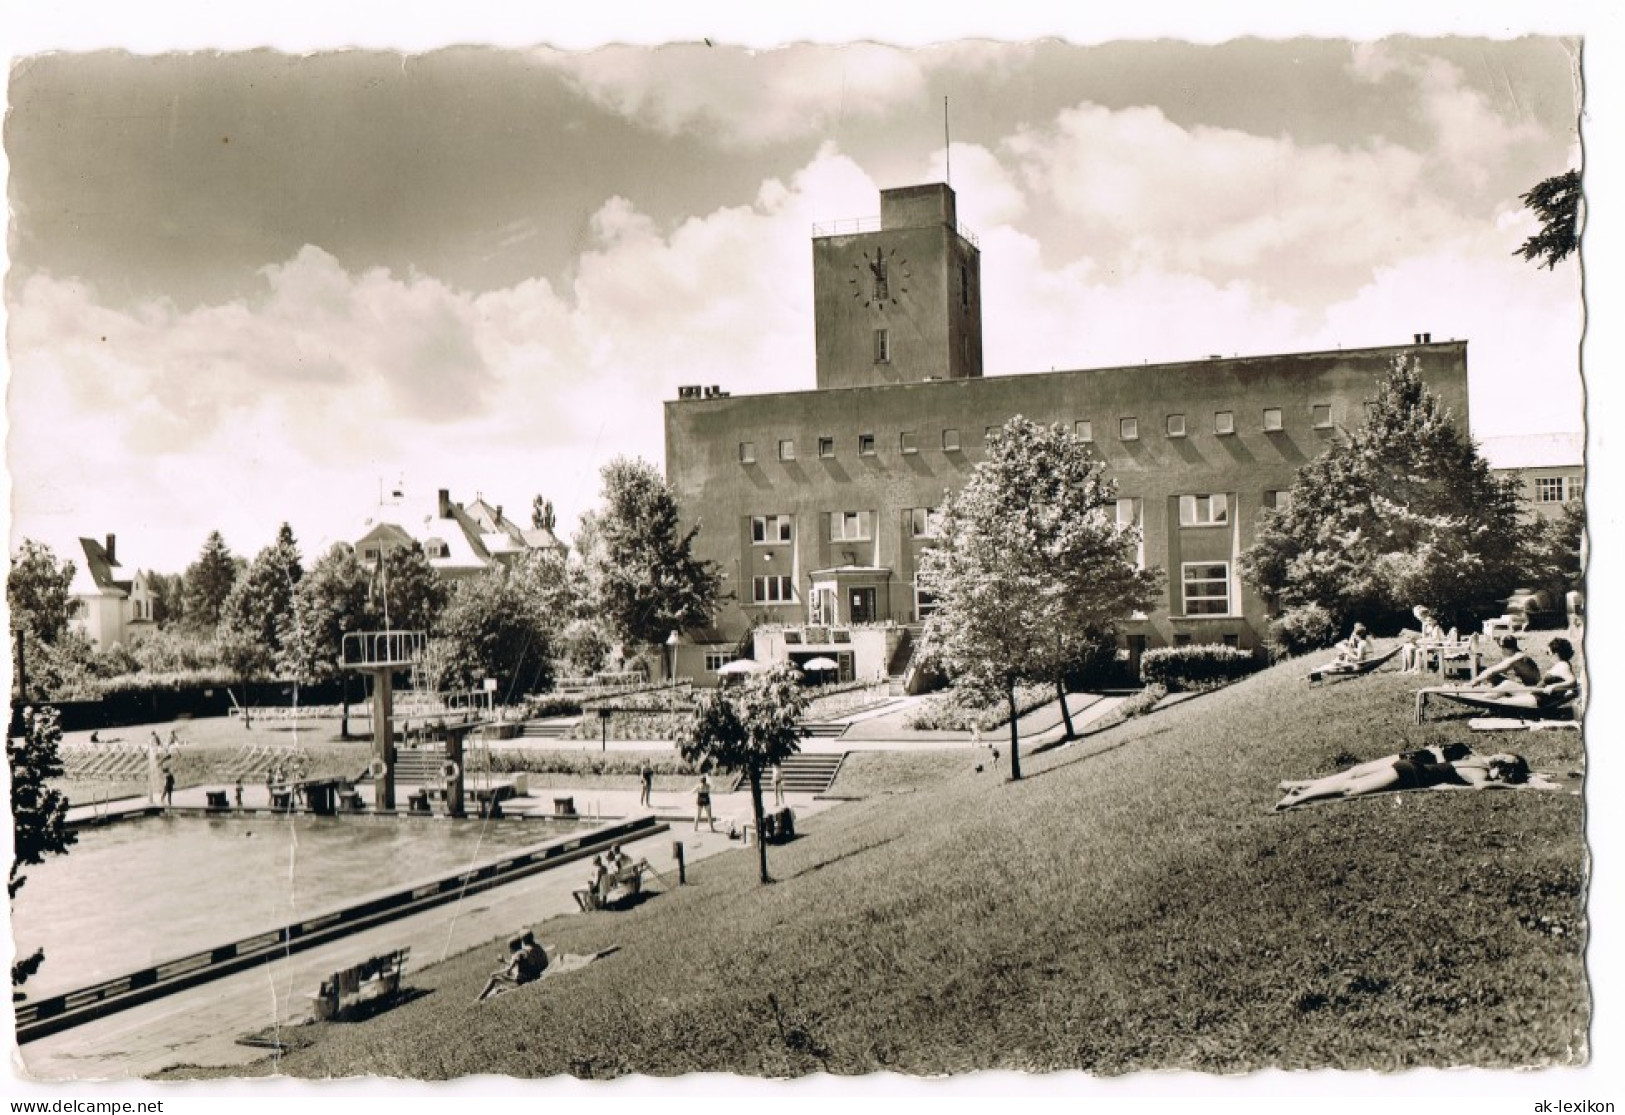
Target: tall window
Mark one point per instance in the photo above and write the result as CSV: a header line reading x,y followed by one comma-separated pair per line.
x,y
767,530
747,452
964,286
950,441
848,526
1224,422
1204,510
1207,588
878,270
882,346
774,589
1131,513
924,522
1278,498
925,602
1129,429
787,449
1272,418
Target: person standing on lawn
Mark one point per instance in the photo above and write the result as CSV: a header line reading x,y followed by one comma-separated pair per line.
x,y
646,774
702,804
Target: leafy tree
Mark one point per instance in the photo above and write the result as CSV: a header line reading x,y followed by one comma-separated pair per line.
x,y
1556,201
558,586
1555,558
38,591
494,629
749,729
405,592
541,514
173,649
645,576
330,602
1029,569
259,604
208,582
1403,512
168,598
38,812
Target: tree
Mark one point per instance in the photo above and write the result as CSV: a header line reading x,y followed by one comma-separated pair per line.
x,y
260,604
1402,512
1555,553
208,582
331,601
405,592
541,514
647,580
1029,567
1556,201
168,598
493,629
38,812
750,729
39,592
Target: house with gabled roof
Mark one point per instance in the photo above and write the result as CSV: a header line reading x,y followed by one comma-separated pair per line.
x,y
460,541
111,610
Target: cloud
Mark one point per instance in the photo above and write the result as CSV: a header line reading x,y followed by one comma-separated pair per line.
x,y
732,98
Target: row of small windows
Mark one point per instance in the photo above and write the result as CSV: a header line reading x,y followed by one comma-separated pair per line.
x,y
1558,489
844,526
1128,429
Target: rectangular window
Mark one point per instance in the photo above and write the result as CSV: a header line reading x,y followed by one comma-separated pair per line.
x,y
1182,640
950,441
1131,513
1176,425
826,447
773,589
766,530
848,526
1574,489
1084,429
747,452
1224,422
964,287
925,602
1272,418
1207,588
1129,429
1233,642
787,449
1278,498
1204,510
866,445
715,660
907,443
1321,415
1548,489
924,522
882,347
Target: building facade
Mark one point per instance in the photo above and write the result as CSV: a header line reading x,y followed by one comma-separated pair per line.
x,y
111,611
459,540
1549,470
817,505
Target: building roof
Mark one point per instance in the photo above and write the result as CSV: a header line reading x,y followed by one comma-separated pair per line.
x,y
471,536
1534,451
93,575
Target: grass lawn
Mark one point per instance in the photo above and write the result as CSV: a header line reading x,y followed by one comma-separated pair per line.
x,y
869,773
1132,904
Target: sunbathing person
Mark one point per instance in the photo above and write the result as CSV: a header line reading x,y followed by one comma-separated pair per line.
x,y
518,970
1353,654
1515,670
1402,772
1556,686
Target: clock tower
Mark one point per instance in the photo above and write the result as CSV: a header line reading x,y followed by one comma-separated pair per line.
x,y
898,300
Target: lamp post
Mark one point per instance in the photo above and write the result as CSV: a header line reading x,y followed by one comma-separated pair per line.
x,y
671,656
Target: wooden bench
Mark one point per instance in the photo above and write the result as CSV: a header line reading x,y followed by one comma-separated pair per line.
x,y
373,981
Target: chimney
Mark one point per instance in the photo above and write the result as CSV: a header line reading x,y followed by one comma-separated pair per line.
x,y
499,513
111,558
1427,338
445,503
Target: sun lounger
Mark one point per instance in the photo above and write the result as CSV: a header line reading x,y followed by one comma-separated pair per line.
x,y
1357,670
1507,724
620,886
1560,708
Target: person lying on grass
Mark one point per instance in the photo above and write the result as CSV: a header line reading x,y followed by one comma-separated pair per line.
x,y
1413,770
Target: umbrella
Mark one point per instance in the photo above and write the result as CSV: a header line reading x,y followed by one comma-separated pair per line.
x,y
741,666
820,664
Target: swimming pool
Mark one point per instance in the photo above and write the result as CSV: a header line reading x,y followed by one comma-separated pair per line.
x,y
137,892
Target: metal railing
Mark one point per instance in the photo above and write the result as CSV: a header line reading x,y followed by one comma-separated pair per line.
x,y
364,649
852,226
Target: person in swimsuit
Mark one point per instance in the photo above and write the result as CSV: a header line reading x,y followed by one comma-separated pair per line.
x,y
1527,686
702,804
1515,670
1414,770
1351,652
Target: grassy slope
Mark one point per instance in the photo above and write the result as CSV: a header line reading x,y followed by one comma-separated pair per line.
x,y
1133,904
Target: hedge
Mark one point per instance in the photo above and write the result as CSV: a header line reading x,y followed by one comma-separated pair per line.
x,y
1195,667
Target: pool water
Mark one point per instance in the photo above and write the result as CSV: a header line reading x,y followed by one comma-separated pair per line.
x,y
135,893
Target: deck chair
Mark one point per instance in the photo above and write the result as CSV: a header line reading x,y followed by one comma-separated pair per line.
x,y
1360,670
1560,709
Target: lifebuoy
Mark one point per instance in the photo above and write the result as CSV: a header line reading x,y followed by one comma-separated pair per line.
x,y
448,770
377,768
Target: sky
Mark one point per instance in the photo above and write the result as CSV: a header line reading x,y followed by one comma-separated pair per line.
x,y
251,287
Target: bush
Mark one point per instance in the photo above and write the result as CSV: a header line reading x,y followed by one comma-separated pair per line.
x,y
958,711
1303,628
1196,667
552,704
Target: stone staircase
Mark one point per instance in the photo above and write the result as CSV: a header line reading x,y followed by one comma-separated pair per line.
x,y
803,774
551,729
823,730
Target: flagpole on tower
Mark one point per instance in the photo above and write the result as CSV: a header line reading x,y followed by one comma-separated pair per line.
x,y
947,148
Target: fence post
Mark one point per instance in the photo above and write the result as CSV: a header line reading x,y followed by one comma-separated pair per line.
x,y
682,868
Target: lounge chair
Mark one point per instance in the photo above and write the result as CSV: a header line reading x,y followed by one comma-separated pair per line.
x,y
1560,707
1359,669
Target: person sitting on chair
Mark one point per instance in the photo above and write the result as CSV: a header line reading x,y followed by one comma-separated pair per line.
x,y
1515,670
1555,686
1410,771
1414,653
598,880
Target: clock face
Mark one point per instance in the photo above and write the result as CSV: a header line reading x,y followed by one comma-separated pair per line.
x,y
880,278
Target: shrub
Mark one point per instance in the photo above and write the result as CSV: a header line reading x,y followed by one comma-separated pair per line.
x,y
1303,628
1195,667
958,711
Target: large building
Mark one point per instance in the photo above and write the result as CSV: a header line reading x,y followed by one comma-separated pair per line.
x,y
1549,470
817,505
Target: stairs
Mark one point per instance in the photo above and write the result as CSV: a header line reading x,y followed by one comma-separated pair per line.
x,y
548,729
803,774
420,765
822,731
